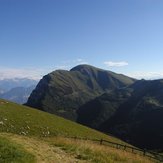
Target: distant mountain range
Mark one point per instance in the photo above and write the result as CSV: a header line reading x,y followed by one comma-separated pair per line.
x,y
17,90
113,103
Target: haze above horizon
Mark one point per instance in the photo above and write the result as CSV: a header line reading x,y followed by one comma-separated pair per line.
x,y
39,36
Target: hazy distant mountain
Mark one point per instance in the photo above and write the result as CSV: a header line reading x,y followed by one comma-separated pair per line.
x,y
63,92
19,94
1,91
7,84
17,90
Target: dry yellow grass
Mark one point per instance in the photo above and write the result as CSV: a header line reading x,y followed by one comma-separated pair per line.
x,y
96,153
64,150
43,151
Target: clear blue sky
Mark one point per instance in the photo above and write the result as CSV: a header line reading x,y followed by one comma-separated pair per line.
x,y
38,36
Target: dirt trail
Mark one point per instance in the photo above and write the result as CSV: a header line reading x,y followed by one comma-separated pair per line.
x,y
44,152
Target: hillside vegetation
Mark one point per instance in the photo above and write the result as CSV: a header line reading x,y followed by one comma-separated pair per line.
x,y
133,114
12,152
140,118
40,137
24,120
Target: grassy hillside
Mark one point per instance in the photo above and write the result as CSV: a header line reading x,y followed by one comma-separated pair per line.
x,y
23,120
29,135
63,150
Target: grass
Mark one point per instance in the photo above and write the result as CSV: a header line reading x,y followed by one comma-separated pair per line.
x,y
43,135
67,150
12,152
95,153
24,120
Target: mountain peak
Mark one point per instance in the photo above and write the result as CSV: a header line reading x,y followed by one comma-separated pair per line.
x,y
83,67
88,70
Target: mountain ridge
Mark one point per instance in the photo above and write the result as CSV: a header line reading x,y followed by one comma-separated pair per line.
x,y
63,92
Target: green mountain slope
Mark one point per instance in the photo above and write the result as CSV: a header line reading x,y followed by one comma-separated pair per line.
x,y
29,135
140,118
95,112
24,120
134,114
63,92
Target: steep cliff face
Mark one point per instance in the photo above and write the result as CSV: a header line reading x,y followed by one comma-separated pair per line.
x,y
63,92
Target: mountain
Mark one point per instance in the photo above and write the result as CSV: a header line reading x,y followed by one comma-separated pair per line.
x,y
1,91
64,92
140,118
134,114
113,103
8,84
19,95
95,112
17,90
